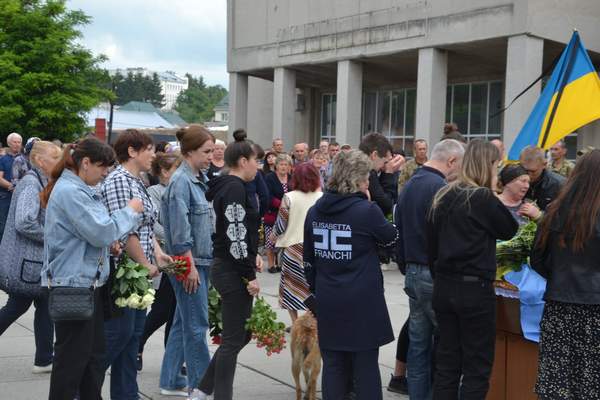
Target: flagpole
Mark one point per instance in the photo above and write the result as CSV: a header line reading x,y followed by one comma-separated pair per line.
x,y
561,88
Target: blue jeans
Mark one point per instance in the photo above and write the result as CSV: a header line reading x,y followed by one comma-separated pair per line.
x,y
43,328
187,337
421,328
122,340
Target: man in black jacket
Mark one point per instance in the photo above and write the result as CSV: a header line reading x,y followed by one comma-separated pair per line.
x,y
410,217
383,186
545,184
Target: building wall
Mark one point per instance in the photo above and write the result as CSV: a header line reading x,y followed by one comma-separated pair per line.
x,y
170,90
267,34
270,33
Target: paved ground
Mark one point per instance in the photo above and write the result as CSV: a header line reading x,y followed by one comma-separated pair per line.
x,y
257,376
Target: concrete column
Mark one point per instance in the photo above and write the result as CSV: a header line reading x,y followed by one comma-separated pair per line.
x,y
432,82
284,106
524,61
238,102
349,102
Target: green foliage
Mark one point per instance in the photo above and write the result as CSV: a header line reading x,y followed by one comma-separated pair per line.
x,y
215,321
137,87
512,254
47,80
196,103
130,278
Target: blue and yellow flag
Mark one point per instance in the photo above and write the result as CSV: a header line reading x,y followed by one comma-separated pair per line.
x,y
570,100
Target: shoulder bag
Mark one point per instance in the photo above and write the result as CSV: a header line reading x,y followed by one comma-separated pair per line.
x,y
66,303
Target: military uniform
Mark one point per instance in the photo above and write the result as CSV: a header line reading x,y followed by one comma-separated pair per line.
x,y
565,168
407,172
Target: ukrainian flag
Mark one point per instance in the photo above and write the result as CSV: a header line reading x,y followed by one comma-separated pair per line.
x,y
570,100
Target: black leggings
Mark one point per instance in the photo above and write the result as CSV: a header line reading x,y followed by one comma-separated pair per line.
x,y
402,347
161,313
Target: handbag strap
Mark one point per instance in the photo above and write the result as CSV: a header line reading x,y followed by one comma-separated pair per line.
x,y
96,277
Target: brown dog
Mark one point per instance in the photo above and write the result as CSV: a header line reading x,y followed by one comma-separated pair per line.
x,y
306,356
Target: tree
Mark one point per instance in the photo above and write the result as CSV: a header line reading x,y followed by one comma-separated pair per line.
x,y
196,103
138,87
47,80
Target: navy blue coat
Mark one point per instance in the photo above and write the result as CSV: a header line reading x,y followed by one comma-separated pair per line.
x,y
341,237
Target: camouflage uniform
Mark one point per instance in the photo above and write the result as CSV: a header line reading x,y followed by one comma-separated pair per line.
x,y
565,168
407,172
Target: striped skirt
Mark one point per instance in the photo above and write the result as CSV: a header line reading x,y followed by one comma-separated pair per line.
x,y
293,288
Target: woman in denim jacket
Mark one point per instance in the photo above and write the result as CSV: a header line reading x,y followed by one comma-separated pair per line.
x,y
78,232
22,254
186,218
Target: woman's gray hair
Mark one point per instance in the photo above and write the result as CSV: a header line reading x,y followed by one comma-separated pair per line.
x,y
349,171
283,158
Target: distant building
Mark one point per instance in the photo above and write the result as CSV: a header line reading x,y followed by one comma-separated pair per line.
x,y
171,83
222,110
136,115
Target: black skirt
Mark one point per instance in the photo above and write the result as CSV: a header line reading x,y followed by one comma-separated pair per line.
x,y
569,358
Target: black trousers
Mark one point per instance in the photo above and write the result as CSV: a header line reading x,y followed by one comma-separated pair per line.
x,y
236,307
79,357
161,313
402,345
361,368
466,317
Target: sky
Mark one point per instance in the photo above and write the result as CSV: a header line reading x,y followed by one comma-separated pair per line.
x,y
185,36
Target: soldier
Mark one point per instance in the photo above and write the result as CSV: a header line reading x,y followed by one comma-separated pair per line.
x,y
559,163
420,151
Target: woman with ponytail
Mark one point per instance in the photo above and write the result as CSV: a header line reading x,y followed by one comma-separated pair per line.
x,y
233,271
78,233
186,218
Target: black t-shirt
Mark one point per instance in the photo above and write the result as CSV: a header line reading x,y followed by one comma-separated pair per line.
x,y
213,171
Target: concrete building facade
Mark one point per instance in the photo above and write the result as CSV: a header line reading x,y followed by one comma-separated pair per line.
x,y
337,69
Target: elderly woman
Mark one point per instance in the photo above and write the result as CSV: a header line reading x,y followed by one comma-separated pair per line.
x,y
288,234
278,185
22,254
341,235
515,184
218,161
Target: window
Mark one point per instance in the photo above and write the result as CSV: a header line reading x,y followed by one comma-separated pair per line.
x,y
472,107
392,113
328,111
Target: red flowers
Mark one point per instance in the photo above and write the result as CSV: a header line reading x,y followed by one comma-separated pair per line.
x,y
180,267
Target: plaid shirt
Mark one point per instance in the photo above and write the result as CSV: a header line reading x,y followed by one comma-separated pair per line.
x,y
117,190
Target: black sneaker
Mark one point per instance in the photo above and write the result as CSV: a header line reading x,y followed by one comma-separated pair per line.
x,y
398,384
139,363
273,270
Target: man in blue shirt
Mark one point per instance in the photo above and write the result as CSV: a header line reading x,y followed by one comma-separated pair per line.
x,y
410,217
14,142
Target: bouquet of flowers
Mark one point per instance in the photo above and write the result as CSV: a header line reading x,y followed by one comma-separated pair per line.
x,y
131,285
512,254
180,267
268,332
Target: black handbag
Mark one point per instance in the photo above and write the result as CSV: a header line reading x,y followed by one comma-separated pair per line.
x,y
67,303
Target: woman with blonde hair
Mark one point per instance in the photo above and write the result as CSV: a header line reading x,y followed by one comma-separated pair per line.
x,y
342,233
218,161
465,221
22,254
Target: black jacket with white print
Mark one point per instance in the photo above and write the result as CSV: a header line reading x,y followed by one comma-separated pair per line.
x,y
236,235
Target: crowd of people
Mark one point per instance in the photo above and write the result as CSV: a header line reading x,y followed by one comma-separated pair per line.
x,y
325,219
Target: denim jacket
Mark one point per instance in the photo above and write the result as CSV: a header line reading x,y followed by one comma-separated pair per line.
x,y
77,232
187,217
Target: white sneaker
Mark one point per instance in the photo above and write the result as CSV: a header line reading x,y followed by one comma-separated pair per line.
x,y
176,392
37,369
197,394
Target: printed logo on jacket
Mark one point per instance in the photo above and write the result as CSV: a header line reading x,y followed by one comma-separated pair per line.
x,y
332,241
